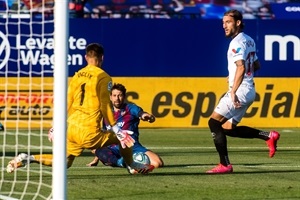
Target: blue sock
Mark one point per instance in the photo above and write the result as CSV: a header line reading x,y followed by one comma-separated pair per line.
x,y
121,162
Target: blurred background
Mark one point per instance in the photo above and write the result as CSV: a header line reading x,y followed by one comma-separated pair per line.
x,y
162,9
170,64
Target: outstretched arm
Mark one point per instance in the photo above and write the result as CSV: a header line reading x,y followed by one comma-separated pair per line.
x,y
147,117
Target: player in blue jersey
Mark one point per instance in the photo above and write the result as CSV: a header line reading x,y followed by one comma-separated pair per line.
x,y
128,116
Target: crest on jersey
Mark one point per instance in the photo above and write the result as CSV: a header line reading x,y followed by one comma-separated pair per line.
x,y
236,50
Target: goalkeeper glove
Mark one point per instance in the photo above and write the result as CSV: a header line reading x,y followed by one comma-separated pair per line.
x,y
50,134
123,136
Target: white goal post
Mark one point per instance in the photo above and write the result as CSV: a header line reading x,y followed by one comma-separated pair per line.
x,y
33,96
61,33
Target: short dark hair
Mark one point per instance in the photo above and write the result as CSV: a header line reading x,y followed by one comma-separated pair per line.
x,y
120,87
94,50
237,15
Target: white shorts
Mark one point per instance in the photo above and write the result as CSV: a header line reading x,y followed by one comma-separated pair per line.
x,y
246,95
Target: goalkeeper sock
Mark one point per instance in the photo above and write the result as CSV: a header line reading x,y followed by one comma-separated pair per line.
x,y
44,159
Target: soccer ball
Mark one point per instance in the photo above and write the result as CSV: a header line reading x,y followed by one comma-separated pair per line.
x,y
141,158
138,157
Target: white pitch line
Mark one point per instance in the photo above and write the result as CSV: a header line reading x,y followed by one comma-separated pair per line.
x,y
190,147
196,166
286,148
273,166
182,167
247,166
6,197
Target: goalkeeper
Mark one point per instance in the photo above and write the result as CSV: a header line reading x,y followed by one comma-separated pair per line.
x,y
88,104
128,116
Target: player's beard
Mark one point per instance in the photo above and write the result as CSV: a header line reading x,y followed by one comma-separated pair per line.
x,y
229,34
118,105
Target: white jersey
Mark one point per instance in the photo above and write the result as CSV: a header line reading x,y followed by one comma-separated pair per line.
x,y
241,47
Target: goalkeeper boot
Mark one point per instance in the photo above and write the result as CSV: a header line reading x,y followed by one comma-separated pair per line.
x,y
220,169
272,142
19,161
140,168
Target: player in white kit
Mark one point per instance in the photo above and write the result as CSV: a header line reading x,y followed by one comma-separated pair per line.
x,y
242,63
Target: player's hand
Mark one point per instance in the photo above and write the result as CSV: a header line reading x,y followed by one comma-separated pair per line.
x,y
147,117
94,162
50,134
150,119
235,100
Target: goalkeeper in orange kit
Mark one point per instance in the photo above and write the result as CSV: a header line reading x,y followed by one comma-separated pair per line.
x,y
88,103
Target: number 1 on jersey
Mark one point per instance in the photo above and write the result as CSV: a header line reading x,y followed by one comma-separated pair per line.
x,y
82,93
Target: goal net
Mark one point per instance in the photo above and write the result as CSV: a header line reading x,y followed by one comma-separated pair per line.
x,y
26,94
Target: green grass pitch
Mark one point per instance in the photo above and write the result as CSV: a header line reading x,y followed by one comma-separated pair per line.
x,y
187,154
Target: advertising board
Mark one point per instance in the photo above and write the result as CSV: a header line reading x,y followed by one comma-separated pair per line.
x,y
178,63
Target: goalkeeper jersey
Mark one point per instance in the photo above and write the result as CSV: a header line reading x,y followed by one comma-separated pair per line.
x,y
88,98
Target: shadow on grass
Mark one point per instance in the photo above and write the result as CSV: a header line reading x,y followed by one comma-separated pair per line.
x,y
170,170
158,173
173,152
